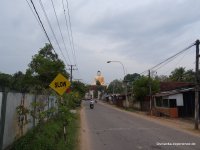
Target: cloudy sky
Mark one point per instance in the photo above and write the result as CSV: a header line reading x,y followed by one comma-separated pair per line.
x,y
140,34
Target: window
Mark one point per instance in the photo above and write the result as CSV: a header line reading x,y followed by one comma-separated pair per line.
x,y
172,103
165,103
158,102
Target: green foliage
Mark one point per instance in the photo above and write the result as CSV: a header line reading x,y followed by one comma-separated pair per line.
x,y
177,74
115,86
45,66
50,136
71,100
141,87
162,78
5,80
131,77
79,87
182,75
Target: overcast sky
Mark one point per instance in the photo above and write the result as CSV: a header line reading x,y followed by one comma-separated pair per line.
x,y
140,34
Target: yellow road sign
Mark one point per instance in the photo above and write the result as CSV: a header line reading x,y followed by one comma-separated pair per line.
x,y
60,84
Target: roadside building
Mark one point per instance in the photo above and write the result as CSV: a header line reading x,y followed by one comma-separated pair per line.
x,y
175,99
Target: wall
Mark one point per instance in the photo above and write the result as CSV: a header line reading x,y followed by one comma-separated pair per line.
x,y
13,129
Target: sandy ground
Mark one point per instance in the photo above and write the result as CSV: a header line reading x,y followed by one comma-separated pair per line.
x,y
84,132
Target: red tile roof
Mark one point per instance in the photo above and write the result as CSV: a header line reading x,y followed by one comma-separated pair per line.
x,y
167,86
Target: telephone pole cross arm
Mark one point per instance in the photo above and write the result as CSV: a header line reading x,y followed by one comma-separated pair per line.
x,y
71,71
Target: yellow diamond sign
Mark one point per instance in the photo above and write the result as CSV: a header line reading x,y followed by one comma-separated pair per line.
x,y
60,84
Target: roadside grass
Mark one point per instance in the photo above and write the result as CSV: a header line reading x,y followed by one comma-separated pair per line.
x,y
49,136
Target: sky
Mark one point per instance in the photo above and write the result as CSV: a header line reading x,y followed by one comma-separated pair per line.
x,y
139,34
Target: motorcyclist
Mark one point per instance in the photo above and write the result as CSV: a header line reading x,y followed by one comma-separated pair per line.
x,y
91,103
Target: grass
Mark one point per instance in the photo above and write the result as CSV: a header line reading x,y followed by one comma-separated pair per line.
x,y
49,136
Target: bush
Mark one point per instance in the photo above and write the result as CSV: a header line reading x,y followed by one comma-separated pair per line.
x,y
50,136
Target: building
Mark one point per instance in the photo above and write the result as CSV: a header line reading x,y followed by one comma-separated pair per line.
x,y
175,99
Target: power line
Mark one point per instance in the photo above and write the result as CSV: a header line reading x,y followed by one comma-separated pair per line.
x,y
70,34
60,30
66,23
34,14
176,63
174,56
166,61
70,27
43,9
42,25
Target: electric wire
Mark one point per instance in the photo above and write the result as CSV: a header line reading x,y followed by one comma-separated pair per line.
x,y
66,23
70,33
42,25
34,14
60,30
166,61
70,27
178,61
43,9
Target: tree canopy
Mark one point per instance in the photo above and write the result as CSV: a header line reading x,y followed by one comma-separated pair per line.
x,y
182,75
116,86
141,87
45,66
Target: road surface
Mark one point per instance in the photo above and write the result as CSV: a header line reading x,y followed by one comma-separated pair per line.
x,y
111,129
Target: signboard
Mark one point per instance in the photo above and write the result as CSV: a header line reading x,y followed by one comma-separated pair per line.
x,y
60,84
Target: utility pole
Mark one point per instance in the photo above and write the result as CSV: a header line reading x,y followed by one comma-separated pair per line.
x,y
71,71
150,105
197,87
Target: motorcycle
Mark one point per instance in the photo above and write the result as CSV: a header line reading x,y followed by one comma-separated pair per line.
x,y
91,104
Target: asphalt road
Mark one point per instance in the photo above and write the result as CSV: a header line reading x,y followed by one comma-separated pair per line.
x,y
111,129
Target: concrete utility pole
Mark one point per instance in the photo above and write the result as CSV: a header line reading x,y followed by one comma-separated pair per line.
x,y
150,92
197,87
71,69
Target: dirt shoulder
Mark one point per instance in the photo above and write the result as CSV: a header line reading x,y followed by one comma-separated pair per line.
x,y
177,124
84,131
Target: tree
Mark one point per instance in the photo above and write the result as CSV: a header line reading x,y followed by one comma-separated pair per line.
x,y
131,77
115,86
141,87
189,76
162,78
177,74
182,75
5,80
79,87
45,66
18,83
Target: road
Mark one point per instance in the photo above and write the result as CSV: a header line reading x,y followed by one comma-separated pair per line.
x,y
111,129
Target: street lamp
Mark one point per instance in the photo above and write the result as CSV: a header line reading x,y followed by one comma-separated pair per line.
x,y
124,77
121,64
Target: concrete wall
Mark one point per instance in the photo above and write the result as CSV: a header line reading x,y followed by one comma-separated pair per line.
x,y
11,127
12,130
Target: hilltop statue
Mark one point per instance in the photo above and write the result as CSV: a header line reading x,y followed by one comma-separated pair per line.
x,y
99,79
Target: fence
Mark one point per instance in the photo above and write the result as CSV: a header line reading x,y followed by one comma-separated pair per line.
x,y
13,124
